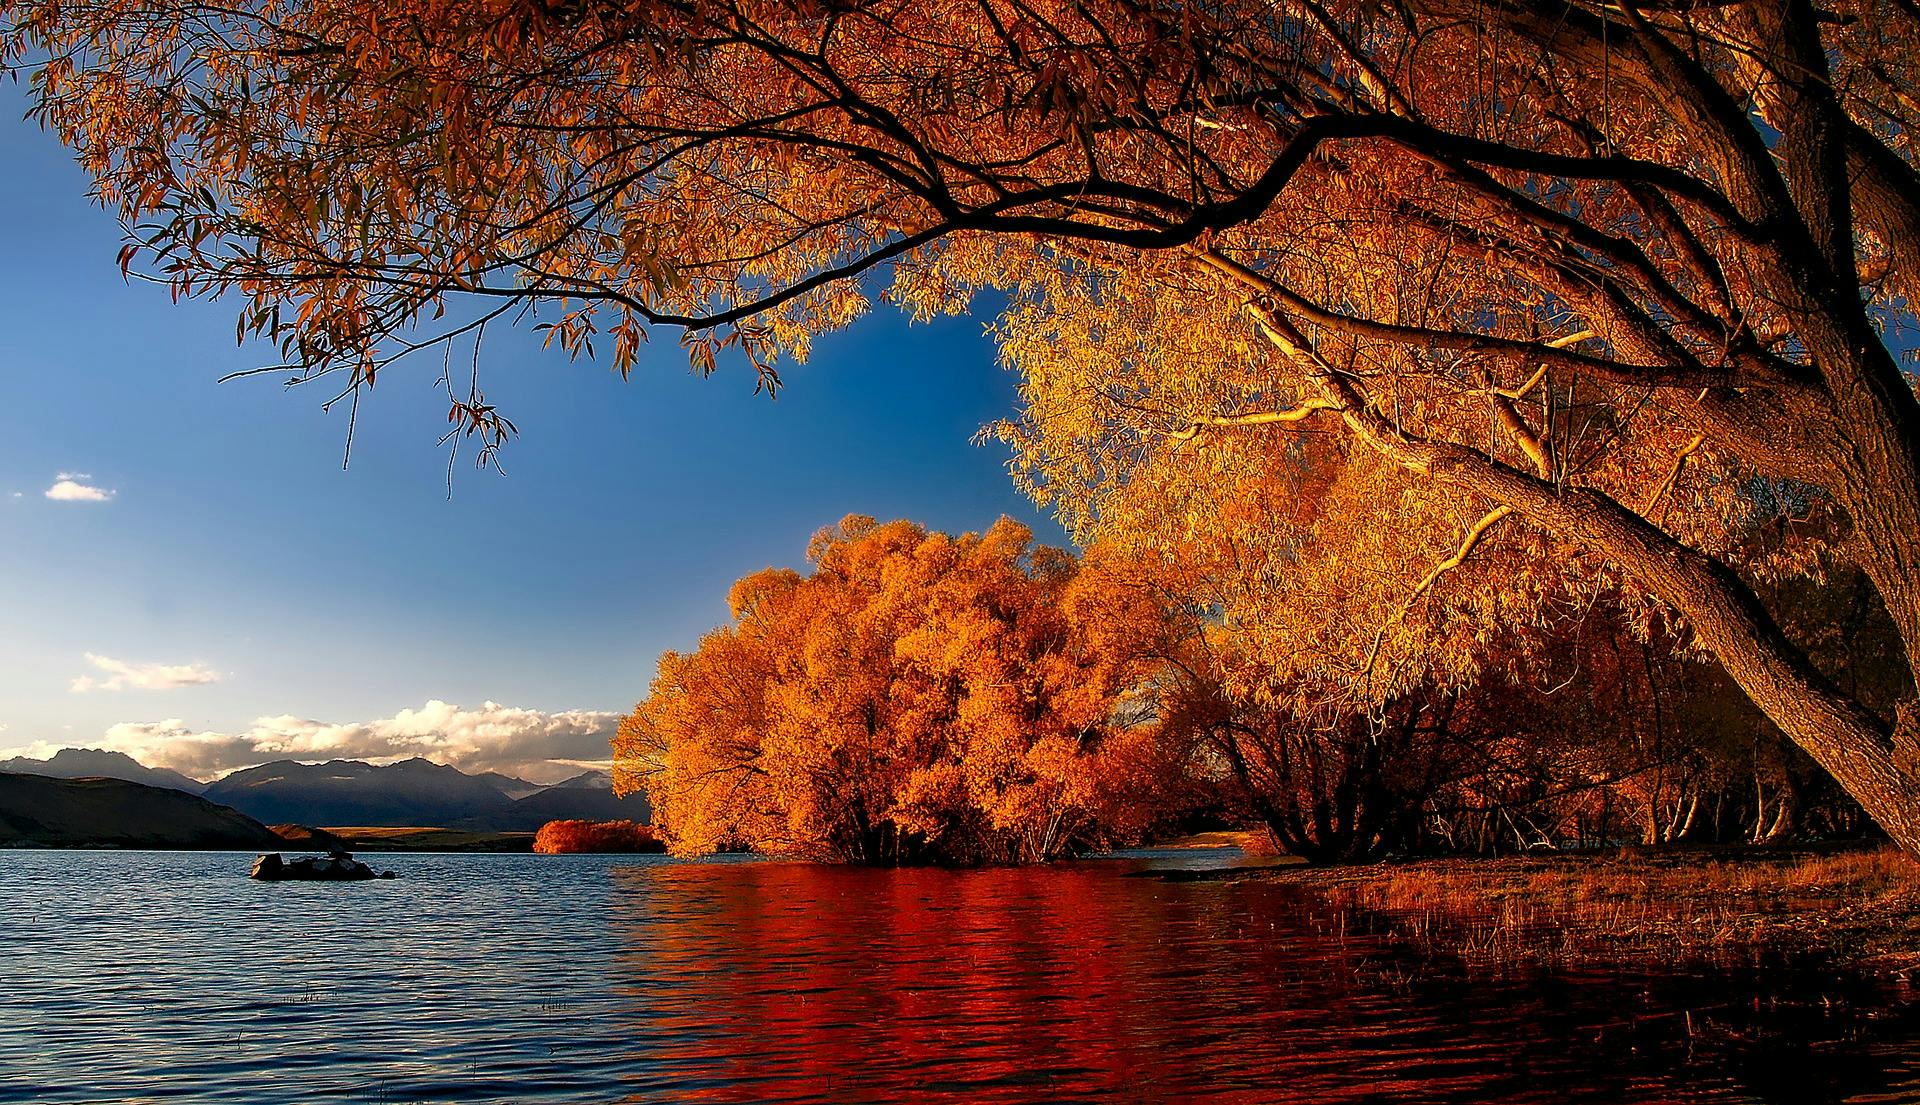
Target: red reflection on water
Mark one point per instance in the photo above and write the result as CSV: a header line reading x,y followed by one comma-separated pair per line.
x,y
796,982
839,982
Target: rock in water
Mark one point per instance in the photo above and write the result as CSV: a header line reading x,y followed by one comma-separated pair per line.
x,y
336,867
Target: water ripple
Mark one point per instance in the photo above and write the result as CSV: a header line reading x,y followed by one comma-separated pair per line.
x,y
170,977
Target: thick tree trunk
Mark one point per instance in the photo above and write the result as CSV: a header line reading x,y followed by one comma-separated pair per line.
x,y
1878,484
1866,406
1857,747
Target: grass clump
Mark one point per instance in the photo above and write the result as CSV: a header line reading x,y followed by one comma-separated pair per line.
x,y
1860,907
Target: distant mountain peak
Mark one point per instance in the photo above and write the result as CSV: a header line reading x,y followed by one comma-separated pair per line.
x,y
510,785
91,756
592,779
414,791
79,753
85,763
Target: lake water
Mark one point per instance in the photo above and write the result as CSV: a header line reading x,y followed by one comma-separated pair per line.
x,y
133,977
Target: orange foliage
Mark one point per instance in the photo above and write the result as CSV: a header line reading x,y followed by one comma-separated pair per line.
x,y
917,697
560,837
1514,705
1620,277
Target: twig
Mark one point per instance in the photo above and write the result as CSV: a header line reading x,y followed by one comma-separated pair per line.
x,y
1673,473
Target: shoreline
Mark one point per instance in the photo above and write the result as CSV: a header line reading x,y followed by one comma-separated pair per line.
x,y
421,838
1851,908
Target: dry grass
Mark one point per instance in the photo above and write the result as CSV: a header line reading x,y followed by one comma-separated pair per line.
x,y
1858,907
421,838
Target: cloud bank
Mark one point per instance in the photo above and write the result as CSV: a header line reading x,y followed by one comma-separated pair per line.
x,y
72,487
542,747
122,675
38,750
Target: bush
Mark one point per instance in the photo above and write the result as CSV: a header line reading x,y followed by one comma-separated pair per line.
x,y
556,837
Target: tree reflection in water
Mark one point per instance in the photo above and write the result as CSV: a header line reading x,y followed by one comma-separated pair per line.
x,y
793,982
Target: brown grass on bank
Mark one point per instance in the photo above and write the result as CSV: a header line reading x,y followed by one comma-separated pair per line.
x,y
305,836
1860,907
424,838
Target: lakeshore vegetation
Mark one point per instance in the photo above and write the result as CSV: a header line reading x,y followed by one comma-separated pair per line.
x,y
918,697
563,837
1485,424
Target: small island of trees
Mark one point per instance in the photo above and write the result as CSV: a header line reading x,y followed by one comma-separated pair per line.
x,y
563,837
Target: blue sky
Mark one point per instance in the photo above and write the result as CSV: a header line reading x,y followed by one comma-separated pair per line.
x,y
235,549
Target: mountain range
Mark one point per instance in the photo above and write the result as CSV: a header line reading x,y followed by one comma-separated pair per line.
x,y
96,763
415,792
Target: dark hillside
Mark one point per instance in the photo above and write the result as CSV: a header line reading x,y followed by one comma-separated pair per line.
x,y
82,813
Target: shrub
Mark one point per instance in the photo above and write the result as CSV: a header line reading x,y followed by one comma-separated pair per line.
x,y
556,837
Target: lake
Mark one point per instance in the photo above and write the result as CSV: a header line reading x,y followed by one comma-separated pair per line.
x,y
169,976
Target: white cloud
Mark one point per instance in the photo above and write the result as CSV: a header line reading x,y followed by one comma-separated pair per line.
x,y
72,487
544,747
33,750
122,675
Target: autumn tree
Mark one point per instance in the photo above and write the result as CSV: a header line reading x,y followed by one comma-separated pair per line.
x,y
1329,786
916,697
1621,275
563,837
1616,733
1498,703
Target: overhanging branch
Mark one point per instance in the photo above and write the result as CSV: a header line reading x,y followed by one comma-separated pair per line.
x,y
1256,418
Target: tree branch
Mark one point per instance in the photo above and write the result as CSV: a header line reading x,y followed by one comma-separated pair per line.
x,y
1673,474
1256,418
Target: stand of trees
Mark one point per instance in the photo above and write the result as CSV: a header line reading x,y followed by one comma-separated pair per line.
x,y
914,698
1523,696
1610,285
921,698
563,837
1634,743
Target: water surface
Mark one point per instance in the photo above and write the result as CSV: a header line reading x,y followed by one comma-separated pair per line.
x,y
169,976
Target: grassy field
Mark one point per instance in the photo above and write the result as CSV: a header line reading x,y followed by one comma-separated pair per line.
x,y
1861,907
380,838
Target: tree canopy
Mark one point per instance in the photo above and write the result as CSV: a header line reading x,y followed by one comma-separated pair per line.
x,y
916,697
1632,277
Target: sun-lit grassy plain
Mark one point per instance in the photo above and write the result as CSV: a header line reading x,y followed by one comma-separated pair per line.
x,y
421,838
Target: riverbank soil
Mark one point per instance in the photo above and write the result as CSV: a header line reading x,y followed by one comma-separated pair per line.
x,y
1858,907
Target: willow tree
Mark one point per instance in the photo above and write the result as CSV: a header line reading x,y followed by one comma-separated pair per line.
x,y
915,698
1563,262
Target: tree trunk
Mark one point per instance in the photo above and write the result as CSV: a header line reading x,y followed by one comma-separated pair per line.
x,y
1857,747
